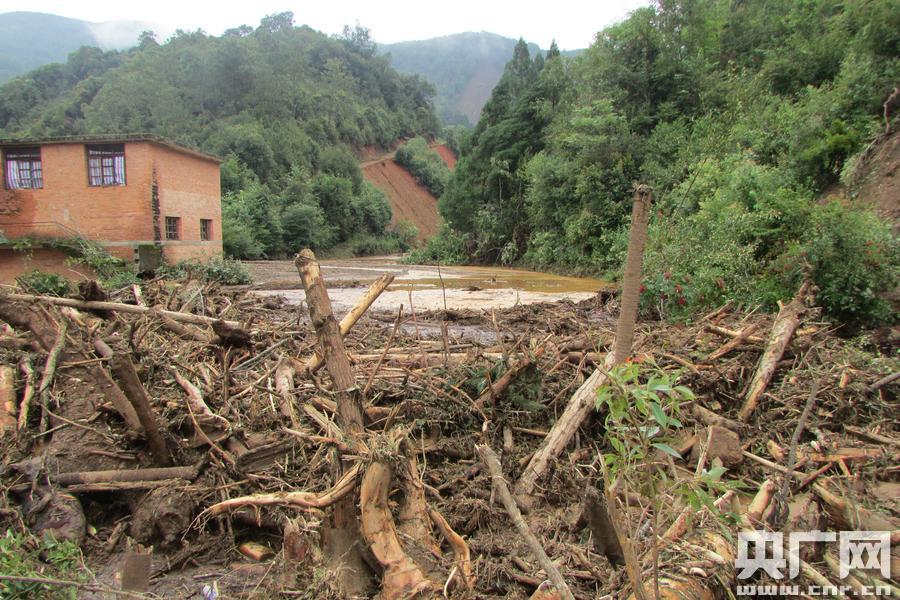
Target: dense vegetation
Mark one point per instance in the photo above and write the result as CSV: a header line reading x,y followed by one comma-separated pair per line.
x,y
738,114
283,104
425,164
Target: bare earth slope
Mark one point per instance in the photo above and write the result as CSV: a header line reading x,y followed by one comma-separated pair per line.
x,y
410,201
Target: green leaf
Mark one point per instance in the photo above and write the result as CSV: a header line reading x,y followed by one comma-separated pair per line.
x,y
667,449
715,473
659,414
684,392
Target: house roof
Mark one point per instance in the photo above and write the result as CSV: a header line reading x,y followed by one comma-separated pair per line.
x,y
109,139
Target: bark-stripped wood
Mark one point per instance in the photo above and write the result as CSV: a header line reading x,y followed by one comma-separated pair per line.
x,y
582,402
783,329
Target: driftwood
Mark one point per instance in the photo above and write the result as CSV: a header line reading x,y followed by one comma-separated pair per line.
x,y
732,344
118,307
303,500
124,372
284,385
402,577
731,333
180,329
27,393
498,387
120,476
350,319
846,514
582,402
460,549
8,421
783,329
113,392
344,546
499,486
50,368
198,407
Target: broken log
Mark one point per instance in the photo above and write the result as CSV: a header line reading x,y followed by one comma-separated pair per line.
x,y
123,370
118,307
582,402
732,344
180,329
847,515
499,386
458,545
284,385
498,484
349,404
8,406
402,577
113,392
358,310
731,333
198,407
343,546
83,478
783,329
28,393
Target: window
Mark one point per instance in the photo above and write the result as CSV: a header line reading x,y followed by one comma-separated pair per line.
x,y
173,228
23,169
106,164
205,230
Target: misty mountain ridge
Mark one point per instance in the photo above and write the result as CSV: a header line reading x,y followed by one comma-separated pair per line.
x,y
29,40
463,67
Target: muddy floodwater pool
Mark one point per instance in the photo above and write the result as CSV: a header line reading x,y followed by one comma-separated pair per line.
x,y
426,286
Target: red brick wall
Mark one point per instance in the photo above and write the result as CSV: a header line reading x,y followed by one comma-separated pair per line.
x,y
119,217
108,213
189,188
13,264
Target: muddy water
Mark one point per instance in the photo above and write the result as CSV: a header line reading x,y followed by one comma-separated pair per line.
x,y
463,287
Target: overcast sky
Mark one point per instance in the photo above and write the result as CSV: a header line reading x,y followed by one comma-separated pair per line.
x,y
572,23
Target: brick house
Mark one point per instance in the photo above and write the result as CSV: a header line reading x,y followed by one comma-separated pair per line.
x,y
140,197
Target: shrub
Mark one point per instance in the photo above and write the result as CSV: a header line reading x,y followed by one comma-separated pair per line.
x,y
48,284
223,270
447,247
24,555
853,260
425,164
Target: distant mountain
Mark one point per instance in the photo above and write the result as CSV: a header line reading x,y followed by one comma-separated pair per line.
x,y
463,67
30,39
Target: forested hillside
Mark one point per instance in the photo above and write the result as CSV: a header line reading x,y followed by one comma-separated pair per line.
x,y
284,105
737,114
463,68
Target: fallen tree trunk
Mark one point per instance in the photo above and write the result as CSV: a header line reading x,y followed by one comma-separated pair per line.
x,y
118,307
8,407
582,401
783,329
123,370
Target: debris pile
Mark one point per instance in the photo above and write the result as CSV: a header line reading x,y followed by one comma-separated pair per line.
x,y
202,441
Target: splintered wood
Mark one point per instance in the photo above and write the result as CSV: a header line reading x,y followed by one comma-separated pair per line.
x,y
215,422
